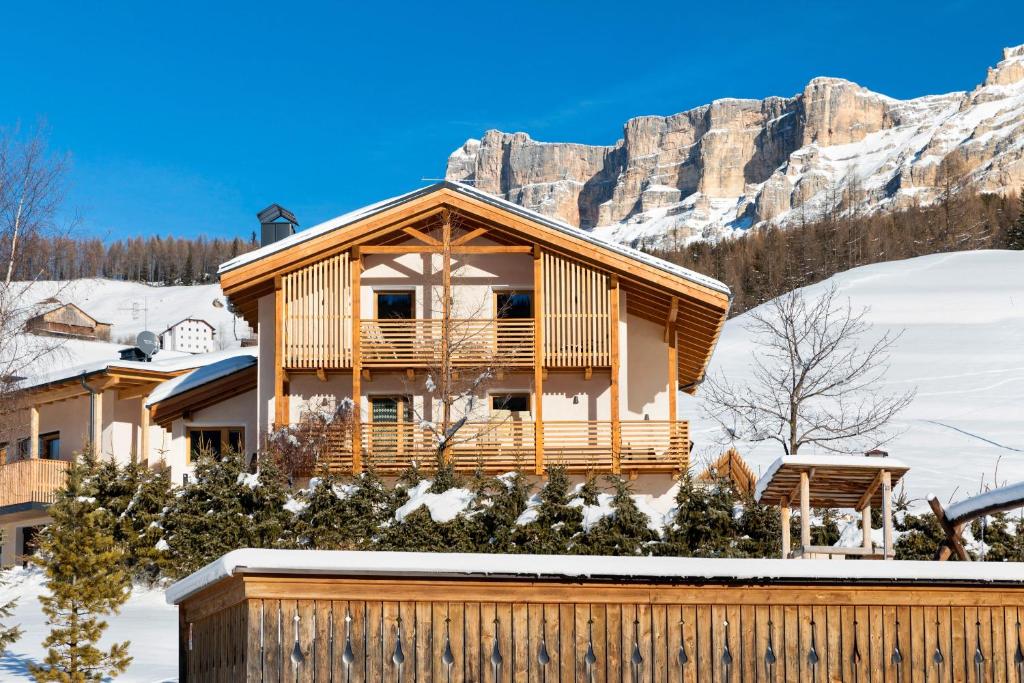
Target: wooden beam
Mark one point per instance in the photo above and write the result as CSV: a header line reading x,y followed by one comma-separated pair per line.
x,y
96,428
673,313
130,392
33,432
281,416
321,374
613,323
887,535
468,237
356,267
865,500
588,372
430,249
784,519
421,236
673,383
865,526
953,541
366,375
143,432
410,374
538,361
805,509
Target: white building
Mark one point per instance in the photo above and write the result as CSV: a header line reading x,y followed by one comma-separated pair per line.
x,y
190,335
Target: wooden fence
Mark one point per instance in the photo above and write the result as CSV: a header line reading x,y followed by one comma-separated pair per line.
x,y
31,481
278,628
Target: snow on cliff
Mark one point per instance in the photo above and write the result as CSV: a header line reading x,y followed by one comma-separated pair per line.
x,y
962,317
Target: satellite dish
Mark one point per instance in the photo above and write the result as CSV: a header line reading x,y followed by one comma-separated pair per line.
x,y
148,343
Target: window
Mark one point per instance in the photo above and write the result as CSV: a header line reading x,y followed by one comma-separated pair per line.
x,y
510,403
391,424
515,305
215,440
49,446
394,305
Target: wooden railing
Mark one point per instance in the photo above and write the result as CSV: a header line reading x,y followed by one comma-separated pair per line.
x,y
580,446
471,342
31,481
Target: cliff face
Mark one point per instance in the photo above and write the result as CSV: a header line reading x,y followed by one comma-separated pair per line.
x,y
732,164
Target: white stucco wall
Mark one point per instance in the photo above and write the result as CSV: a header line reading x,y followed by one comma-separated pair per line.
x,y
237,411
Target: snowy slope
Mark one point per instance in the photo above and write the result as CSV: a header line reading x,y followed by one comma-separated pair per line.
x,y
130,307
962,347
146,620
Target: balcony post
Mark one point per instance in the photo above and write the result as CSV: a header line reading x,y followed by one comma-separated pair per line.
x,y
96,428
538,359
613,317
673,391
33,426
281,417
143,432
356,262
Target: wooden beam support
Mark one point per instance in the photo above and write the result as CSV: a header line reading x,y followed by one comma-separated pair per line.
x,y
468,237
96,428
673,313
805,509
887,535
410,374
784,513
613,323
588,372
356,267
538,360
421,236
865,500
366,375
953,542
281,416
430,249
143,432
321,374
33,432
673,386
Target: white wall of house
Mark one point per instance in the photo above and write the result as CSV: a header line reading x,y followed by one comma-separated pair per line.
x,y
237,411
189,336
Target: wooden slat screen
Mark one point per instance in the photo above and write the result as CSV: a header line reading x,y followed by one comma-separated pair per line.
x,y
719,634
576,320
318,315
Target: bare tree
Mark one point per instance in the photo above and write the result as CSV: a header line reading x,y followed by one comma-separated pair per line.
x,y
816,380
31,191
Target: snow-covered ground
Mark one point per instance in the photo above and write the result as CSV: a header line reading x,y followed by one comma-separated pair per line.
x,y
962,317
146,620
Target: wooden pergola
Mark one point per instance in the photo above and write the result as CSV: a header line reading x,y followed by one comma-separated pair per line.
x,y
851,482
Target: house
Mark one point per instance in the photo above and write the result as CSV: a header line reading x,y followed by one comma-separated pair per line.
x,y
128,409
191,335
573,349
68,320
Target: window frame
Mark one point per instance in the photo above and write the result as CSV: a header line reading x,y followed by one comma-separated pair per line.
x,y
225,437
393,291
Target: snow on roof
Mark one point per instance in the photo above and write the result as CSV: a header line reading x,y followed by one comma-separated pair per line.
x,y
166,361
861,461
203,375
348,218
690,569
972,507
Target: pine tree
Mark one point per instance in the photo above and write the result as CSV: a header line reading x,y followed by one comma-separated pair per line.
x,y
85,579
825,533
625,531
8,634
704,524
1015,233
495,524
317,525
760,530
557,526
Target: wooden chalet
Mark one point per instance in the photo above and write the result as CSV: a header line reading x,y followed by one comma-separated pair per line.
x,y
68,320
585,343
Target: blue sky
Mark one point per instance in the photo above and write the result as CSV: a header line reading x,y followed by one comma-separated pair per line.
x,y
187,118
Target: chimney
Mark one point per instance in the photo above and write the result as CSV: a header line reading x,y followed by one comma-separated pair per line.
x,y
276,223
877,453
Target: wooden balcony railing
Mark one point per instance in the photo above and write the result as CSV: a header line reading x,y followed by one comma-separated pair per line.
x,y
472,342
581,446
31,481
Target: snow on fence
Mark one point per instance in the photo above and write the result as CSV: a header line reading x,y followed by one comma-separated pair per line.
x,y
345,616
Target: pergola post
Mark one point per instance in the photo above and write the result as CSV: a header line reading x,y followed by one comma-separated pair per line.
x,y
865,527
805,512
33,437
890,552
784,518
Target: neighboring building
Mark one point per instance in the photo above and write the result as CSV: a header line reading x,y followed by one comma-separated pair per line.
x,y
584,344
68,320
190,335
107,404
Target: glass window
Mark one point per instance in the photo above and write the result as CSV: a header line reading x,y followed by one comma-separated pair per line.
x,y
49,446
511,403
395,305
514,305
215,440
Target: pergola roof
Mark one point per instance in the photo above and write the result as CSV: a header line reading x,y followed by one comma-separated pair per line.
x,y
837,481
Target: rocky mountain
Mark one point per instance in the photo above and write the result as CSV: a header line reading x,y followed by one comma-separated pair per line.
x,y
732,164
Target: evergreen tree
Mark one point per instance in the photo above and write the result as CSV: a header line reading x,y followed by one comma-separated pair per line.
x,y
85,579
317,525
825,533
704,524
341,516
760,530
1014,238
8,634
557,525
495,524
625,531
589,491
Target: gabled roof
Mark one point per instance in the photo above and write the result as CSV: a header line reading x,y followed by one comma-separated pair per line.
x,y
203,387
371,210
275,211
185,320
67,305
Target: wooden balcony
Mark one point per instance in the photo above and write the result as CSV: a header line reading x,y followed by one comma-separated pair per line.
x,y
647,446
28,482
473,342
